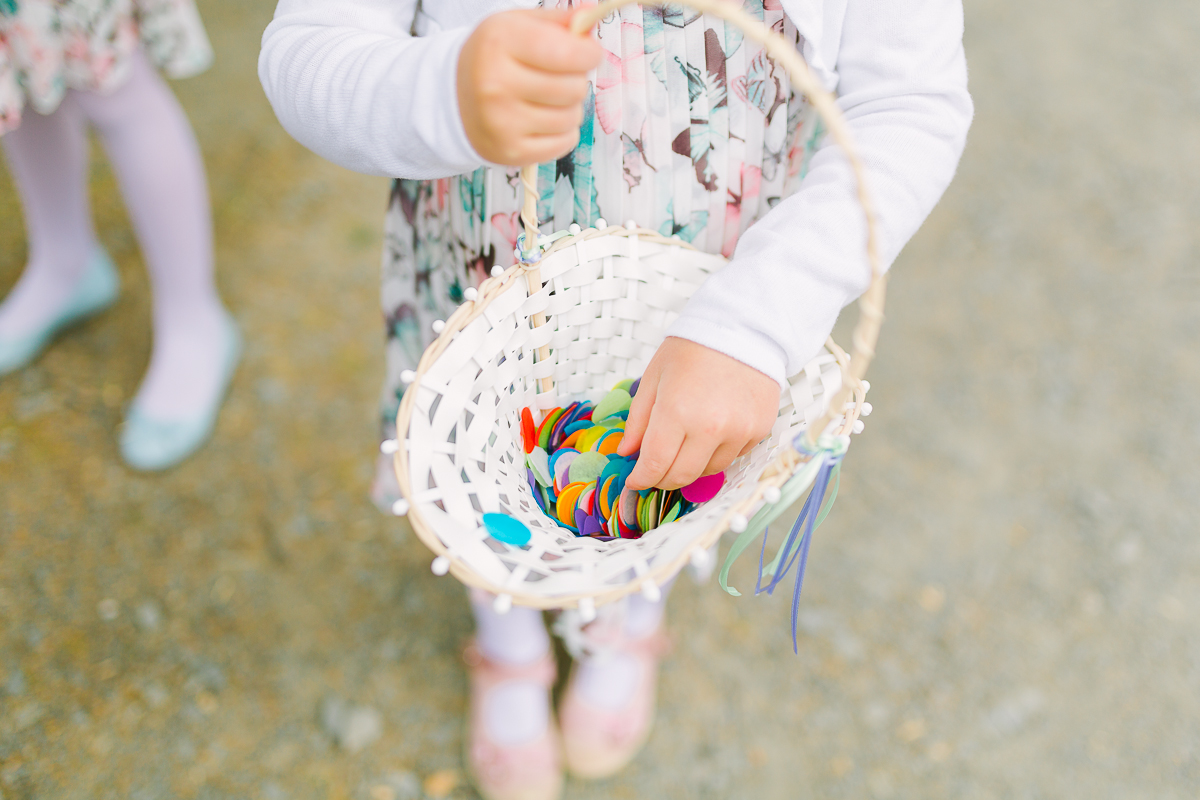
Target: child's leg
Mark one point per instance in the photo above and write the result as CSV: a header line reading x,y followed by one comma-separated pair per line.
x,y
644,617
161,172
512,744
515,711
608,708
48,157
609,679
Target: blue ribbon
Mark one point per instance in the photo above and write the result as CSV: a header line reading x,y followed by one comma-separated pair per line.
x,y
530,256
791,551
525,255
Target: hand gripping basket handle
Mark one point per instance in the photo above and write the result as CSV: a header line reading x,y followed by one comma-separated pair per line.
x,y
866,332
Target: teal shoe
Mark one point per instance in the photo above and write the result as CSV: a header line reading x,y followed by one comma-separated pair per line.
x,y
96,292
150,444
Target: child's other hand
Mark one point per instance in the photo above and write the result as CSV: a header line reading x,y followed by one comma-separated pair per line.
x,y
522,79
695,411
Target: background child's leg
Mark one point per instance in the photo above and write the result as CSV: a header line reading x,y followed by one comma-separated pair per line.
x,y
516,711
48,158
161,173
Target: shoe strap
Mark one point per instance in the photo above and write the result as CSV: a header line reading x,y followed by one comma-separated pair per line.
x,y
603,636
543,671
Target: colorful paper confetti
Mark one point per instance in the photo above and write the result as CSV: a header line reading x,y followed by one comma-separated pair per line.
x,y
579,480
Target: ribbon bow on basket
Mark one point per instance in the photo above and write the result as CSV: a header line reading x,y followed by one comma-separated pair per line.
x,y
580,311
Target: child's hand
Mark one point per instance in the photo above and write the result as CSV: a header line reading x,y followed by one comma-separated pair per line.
x,y
695,411
522,79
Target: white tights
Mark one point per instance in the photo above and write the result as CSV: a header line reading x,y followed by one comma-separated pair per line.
x,y
519,711
158,164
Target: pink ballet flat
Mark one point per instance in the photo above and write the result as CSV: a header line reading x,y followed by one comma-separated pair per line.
x,y
599,742
529,771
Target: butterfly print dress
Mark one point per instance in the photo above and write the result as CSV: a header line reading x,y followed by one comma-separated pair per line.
x,y
688,130
50,46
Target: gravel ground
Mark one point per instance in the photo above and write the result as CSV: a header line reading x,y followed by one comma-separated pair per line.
x,y
1004,604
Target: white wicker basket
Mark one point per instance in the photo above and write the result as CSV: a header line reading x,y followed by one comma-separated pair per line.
x,y
589,313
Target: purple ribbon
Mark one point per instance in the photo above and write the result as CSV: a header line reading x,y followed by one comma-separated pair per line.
x,y
791,552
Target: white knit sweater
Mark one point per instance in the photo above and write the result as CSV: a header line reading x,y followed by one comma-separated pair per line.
x,y
349,80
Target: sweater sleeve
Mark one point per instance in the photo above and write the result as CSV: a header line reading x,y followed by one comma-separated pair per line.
x,y
902,85
348,80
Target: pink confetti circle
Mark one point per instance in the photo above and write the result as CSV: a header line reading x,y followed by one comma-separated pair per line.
x,y
704,489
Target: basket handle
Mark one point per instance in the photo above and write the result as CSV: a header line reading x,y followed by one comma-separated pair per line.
x,y
866,331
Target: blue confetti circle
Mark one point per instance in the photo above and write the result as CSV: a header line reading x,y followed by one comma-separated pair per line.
x,y
509,530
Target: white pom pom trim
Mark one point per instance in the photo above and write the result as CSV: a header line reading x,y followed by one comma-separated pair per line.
x,y
502,604
587,610
651,592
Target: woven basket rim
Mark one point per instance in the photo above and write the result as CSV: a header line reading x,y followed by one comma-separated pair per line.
x,y
774,475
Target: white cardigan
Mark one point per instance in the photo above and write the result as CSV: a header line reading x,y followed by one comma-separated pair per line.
x,y
348,80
